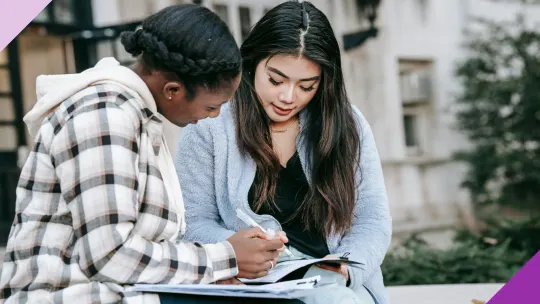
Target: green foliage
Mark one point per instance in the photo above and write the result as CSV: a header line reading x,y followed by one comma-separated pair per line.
x,y
499,110
520,234
492,257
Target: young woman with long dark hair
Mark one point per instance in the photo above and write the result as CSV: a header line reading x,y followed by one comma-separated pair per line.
x,y
291,151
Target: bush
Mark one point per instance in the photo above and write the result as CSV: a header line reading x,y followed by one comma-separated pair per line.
x,y
521,234
493,257
498,109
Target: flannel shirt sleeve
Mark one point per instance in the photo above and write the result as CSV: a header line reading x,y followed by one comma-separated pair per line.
x,y
95,156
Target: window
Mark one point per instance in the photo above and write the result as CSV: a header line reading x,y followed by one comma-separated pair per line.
x,y
222,11
63,11
245,21
114,48
122,55
9,138
415,85
6,109
415,127
415,81
43,16
411,132
423,7
3,57
5,81
134,10
105,48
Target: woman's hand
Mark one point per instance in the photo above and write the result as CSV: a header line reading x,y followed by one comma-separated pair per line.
x,y
341,269
231,281
272,235
256,252
283,237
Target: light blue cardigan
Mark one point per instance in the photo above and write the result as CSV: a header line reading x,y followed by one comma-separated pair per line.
x,y
215,180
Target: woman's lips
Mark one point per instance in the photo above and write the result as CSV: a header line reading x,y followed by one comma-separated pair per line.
x,y
280,111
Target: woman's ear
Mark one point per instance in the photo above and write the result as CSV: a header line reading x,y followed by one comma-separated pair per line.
x,y
173,90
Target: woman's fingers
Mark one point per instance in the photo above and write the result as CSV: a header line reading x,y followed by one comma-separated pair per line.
x,y
283,236
231,281
341,269
329,267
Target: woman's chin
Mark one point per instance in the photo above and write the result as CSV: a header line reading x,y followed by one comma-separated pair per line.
x,y
274,117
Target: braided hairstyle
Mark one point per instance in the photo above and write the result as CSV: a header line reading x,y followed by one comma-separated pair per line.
x,y
189,42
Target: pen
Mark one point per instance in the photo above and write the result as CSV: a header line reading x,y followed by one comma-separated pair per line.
x,y
251,222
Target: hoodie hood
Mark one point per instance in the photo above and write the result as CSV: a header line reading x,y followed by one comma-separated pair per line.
x,y
52,90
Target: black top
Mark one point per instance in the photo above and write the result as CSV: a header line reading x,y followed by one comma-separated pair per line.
x,y
291,188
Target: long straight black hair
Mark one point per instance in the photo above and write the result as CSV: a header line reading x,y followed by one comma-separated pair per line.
x,y
331,134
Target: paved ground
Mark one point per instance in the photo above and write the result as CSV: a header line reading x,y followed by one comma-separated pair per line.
x,y
442,294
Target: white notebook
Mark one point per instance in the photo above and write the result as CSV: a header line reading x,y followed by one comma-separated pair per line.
x,y
284,290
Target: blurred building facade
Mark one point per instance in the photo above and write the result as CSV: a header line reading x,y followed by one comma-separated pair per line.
x,y
402,80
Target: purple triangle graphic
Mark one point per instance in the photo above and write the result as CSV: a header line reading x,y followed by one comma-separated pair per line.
x,y
15,16
523,287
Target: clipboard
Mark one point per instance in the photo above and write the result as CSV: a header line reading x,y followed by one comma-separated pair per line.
x,y
292,269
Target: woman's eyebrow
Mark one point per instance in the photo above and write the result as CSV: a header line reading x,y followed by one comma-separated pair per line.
x,y
287,77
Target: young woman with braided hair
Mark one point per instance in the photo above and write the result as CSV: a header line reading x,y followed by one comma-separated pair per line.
x,y
99,206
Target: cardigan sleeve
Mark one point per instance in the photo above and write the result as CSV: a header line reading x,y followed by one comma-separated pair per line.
x,y
369,238
194,164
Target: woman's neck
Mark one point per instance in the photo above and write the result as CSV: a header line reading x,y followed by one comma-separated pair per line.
x,y
284,124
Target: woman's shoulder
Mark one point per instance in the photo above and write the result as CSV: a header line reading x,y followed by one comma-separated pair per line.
x,y
220,128
224,118
358,116
360,121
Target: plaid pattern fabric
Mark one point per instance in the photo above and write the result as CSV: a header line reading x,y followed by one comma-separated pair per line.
x,y
93,216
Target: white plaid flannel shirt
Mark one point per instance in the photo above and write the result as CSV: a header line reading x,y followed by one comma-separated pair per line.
x,y
92,215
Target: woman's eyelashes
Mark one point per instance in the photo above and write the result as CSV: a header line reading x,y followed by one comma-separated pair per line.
x,y
277,83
